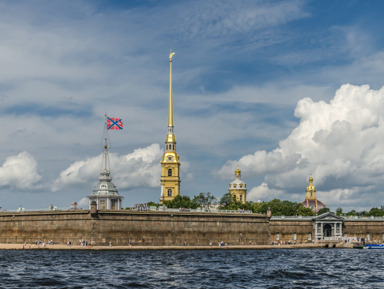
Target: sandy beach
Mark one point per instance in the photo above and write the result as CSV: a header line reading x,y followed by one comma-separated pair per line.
x,y
216,247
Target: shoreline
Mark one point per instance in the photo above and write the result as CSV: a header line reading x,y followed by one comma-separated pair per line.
x,y
127,248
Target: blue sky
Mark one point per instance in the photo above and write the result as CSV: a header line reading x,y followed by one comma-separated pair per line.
x,y
281,88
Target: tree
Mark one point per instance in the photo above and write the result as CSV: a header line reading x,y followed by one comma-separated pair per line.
x,y
228,202
323,210
180,202
376,212
302,211
153,204
339,211
352,213
203,200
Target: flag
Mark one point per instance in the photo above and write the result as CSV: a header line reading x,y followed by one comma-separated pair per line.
x,y
114,123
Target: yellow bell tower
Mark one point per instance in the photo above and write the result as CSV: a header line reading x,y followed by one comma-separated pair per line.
x,y
170,164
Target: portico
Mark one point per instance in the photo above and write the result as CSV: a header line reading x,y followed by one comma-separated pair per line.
x,y
328,226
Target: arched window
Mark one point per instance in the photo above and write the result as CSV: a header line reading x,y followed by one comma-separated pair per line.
x,y
169,192
169,172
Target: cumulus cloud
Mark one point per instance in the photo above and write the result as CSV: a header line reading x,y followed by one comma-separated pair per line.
x,y
263,192
19,172
141,168
340,142
83,203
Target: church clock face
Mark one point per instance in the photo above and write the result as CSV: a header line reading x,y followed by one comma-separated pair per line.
x,y
169,158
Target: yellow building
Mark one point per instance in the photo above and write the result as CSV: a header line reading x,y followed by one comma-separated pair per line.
x,y
238,188
170,164
310,198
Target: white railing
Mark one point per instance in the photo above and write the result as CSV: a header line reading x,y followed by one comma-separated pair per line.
x,y
38,210
362,218
292,217
162,209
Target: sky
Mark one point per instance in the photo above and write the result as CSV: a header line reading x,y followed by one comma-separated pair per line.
x,y
282,89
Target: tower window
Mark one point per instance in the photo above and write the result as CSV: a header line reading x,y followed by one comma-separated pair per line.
x,y
169,172
169,192
241,198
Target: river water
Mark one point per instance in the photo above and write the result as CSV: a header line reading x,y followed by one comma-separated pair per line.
x,y
277,268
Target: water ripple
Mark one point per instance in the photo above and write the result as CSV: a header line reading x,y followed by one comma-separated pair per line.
x,y
302,268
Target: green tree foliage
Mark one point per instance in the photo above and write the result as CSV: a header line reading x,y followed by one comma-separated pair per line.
x,y
352,213
376,212
339,211
278,207
204,200
302,211
153,204
180,202
228,202
323,210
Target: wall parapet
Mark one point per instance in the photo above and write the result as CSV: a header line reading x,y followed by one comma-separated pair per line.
x,y
141,228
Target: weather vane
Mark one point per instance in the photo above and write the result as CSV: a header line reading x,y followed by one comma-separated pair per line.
x,y
171,54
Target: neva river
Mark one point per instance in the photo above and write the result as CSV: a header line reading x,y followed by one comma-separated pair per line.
x,y
278,268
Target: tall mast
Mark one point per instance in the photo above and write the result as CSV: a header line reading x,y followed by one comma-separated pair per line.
x,y
105,144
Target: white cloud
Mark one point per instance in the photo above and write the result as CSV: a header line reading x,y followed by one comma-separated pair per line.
x,y
19,172
340,142
83,203
141,168
263,192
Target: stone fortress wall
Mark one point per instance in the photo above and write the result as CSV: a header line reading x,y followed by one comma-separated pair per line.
x,y
288,229
162,228
303,229
141,228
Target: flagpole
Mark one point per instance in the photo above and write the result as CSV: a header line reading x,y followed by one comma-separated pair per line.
x,y
105,143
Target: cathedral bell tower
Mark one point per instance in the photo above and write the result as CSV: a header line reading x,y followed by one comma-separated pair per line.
x,y
310,198
170,164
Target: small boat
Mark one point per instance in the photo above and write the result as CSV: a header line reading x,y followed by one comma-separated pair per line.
x,y
374,246
358,246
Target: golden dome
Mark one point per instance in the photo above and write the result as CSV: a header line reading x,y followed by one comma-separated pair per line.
x,y
237,172
170,138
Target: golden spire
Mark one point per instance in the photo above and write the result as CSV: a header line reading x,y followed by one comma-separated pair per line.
x,y
170,115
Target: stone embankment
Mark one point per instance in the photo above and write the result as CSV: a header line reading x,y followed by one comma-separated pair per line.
x,y
213,247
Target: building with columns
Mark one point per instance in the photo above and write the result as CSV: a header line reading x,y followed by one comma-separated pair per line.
x,y
170,164
310,198
238,188
328,226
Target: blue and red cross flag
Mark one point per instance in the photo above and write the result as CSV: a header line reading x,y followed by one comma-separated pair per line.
x,y
114,123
